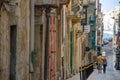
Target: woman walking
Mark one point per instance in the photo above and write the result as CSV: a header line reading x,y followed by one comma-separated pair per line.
x,y
99,63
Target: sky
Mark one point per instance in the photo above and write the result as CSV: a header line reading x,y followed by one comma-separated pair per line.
x,y
109,4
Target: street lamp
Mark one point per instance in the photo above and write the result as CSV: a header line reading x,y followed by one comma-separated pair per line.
x,y
84,16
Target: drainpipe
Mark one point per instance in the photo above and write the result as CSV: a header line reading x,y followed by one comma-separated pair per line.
x,y
31,35
46,58
63,25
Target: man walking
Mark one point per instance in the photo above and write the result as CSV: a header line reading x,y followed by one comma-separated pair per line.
x,y
104,64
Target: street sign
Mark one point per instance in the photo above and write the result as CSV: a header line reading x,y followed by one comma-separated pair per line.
x,y
119,33
87,28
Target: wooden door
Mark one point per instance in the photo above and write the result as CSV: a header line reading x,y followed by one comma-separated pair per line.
x,y
52,47
13,40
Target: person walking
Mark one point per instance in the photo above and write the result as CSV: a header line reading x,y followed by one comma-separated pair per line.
x,y
104,64
99,63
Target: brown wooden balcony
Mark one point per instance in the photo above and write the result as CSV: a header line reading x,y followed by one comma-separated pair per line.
x,y
92,1
64,1
46,2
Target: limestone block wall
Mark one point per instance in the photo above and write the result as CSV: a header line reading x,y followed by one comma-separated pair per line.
x,y
4,45
21,21
23,25
58,47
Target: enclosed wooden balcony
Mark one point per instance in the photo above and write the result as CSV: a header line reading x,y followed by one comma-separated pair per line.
x,y
76,6
46,2
92,1
75,3
64,1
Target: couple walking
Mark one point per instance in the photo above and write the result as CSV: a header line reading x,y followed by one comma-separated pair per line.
x,y
101,63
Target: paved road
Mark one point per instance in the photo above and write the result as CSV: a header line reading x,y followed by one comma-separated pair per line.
x,y
75,77
111,73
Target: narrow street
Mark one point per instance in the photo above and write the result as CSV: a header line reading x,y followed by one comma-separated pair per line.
x,y
111,73
59,39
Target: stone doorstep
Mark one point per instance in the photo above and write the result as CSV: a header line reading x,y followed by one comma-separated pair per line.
x,y
77,76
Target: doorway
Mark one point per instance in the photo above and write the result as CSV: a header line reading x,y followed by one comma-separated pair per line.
x,y
13,35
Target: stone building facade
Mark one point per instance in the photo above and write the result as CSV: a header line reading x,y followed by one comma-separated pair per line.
x,y
66,44
14,40
99,26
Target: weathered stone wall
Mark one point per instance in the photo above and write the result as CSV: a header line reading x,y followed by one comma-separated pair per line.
x,y
23,25
58,47
4,45
39,38
21,20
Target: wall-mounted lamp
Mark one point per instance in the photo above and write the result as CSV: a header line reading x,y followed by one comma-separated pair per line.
x,y
84,16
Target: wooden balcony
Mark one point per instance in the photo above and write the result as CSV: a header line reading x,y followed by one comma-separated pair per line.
x,y
85,2
75,3
46,2
92,1
64,1
76,6
5,0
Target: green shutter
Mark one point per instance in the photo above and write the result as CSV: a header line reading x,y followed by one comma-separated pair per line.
x,y
93,39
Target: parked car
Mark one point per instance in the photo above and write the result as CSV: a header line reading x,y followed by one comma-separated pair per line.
x,y
110,39
105,41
